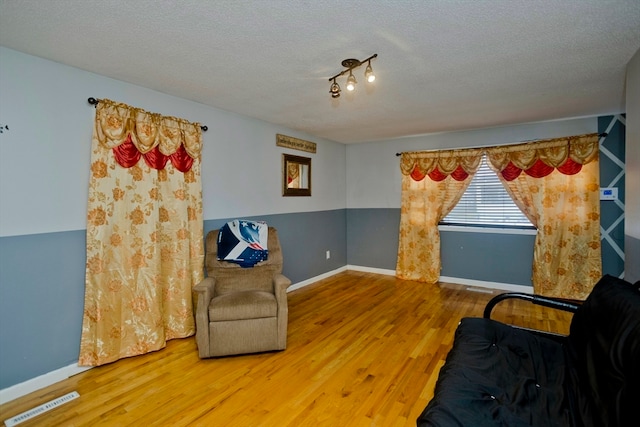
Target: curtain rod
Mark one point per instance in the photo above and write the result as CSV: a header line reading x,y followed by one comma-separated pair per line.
x,y
93,101
600,135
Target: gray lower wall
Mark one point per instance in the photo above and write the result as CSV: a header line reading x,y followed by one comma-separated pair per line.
x,y
372,237
42,286
305,238
372,241
632,261
490,257
41,303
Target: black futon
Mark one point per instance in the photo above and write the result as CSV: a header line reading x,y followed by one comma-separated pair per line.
x,y
502,375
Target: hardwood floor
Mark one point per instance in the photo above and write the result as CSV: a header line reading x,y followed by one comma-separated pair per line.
x,y
363,350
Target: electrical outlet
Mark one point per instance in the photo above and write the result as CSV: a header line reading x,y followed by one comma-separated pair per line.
x,y
328,254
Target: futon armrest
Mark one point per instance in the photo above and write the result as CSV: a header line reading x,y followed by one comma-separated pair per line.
x,y
556,303
551,302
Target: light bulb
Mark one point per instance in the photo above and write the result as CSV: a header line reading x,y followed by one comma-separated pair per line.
x,y
351,82
368,74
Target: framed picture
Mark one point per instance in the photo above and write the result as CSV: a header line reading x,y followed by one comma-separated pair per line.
x,y
296,175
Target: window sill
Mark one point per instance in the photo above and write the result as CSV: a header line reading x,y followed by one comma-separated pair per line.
x,y
489,229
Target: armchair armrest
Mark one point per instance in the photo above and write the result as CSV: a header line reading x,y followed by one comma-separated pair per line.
x,y
205,290
280,285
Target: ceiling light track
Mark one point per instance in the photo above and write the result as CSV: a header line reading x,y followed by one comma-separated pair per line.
x,y
350,64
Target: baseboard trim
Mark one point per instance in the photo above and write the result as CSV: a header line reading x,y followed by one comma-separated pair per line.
x,y
371,270
454,280
315,279
22,389
484,284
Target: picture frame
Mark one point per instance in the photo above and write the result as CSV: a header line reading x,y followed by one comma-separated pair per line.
x,y
296,175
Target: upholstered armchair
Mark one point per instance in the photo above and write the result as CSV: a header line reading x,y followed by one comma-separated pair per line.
x,y
241,310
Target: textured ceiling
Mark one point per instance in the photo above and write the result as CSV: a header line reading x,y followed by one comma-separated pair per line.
x,y
442,65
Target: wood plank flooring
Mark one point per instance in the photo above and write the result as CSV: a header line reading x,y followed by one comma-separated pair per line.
x,y
363,350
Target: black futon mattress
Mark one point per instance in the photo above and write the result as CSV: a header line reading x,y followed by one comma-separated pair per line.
x,y
490,378
499,375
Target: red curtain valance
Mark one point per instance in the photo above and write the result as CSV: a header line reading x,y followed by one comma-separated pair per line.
x,y
539,159
438,165
540,169
132,133
536,159
127,155
459,174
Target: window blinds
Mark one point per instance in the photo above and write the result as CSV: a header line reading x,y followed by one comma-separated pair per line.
x,y
486,203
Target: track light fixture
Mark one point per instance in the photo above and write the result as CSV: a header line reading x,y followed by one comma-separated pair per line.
x,y
350,64
335,89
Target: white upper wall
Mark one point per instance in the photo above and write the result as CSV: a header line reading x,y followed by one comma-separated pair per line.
x,y
44,157
45,154
373,169
632,162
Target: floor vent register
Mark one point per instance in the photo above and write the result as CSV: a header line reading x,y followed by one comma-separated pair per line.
x,y
38,410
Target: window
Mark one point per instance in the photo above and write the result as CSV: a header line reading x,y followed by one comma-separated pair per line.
x,y
486,203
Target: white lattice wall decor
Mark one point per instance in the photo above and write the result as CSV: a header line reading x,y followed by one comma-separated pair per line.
x,y
612,174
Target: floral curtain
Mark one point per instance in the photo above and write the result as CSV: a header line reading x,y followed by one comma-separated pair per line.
x,y
556,184
425,202
144,233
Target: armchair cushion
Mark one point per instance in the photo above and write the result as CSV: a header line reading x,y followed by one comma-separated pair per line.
x,y
243,305
257,282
